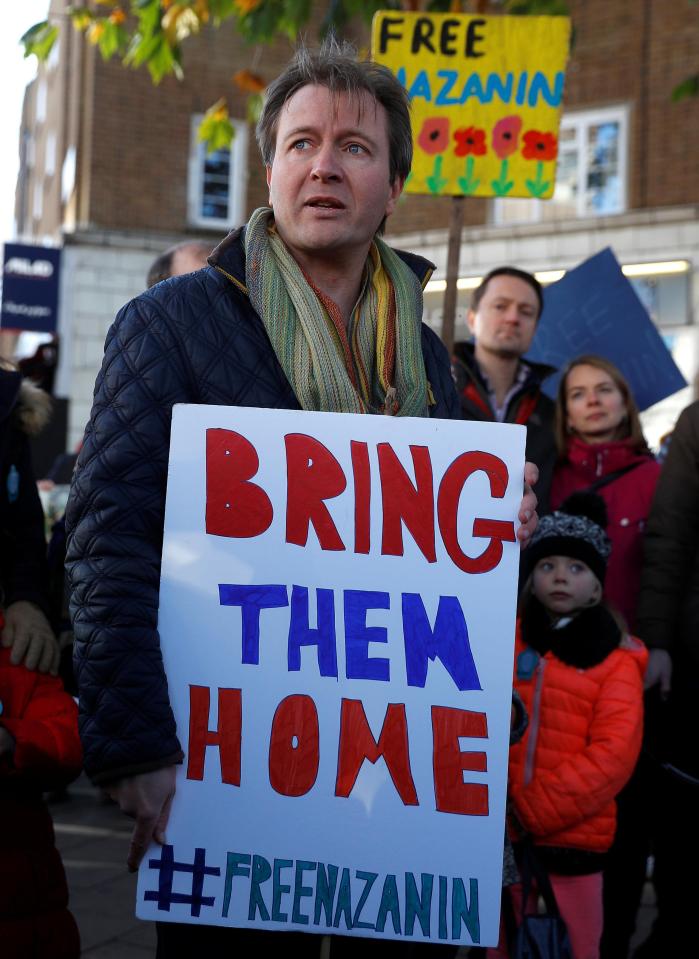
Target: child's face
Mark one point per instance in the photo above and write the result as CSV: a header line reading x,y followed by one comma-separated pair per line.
x,y
564,585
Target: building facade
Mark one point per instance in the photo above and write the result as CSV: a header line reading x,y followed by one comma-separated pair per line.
x,y
112,169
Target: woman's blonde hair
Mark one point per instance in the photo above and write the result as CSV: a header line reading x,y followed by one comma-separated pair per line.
x,y
630,426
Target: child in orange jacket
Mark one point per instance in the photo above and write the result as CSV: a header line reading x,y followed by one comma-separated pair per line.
x,y
39,750
581,680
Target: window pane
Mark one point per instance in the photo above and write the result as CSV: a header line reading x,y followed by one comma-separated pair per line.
x,y
215,187
603,192
564,202
214,211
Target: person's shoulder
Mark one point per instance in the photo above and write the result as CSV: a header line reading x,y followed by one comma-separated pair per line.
x,y
690,414
202,283
175,302
546,403
421,267
431,341
650,468
687,427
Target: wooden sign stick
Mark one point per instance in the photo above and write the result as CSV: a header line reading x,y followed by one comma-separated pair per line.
x,y
456,220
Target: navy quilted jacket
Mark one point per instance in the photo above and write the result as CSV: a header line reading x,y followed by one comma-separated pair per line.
x,y
191,339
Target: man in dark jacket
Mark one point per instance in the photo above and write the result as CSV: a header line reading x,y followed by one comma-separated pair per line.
x,y
24,411
493,380
668,622
288,315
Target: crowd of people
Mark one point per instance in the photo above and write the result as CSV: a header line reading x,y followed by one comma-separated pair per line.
x,y
307,307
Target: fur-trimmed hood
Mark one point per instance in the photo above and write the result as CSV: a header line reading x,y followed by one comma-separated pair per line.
x,y
33,409
29,406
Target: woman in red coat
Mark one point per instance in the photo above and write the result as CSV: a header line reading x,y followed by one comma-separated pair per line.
x,y
601,447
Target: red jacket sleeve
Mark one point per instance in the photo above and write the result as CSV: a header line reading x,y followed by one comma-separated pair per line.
x,y
47,745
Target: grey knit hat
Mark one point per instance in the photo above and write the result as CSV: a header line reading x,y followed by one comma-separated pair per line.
x,y
576,529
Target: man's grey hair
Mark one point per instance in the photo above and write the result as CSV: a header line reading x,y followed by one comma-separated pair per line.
x,y
161,267
336,67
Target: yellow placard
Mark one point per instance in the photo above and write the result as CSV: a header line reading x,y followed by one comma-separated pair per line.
x,y
486,96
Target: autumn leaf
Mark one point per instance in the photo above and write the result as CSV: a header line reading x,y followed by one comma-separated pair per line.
x,y
216,129
81,17
247,6
39,40
249,82
179,23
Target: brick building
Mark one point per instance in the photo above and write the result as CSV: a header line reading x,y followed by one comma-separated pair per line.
x,y
112,170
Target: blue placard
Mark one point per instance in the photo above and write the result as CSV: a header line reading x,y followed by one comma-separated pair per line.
x,y
30,288
594,309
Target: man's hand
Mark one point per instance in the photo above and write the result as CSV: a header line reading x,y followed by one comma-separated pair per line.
x,y
28,632
147,799
659,671
527,508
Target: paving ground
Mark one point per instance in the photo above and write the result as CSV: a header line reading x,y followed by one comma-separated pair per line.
x,y
93,839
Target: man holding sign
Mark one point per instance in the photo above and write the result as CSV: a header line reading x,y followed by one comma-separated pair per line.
x,y
304,308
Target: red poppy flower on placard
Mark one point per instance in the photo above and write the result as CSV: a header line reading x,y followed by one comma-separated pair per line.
x,y
434,136
539,146
506,136
469,140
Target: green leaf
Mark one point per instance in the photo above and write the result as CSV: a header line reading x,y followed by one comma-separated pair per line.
x,y
439,6
39,40
367,8
272,17
141,49
162,61
533,7
155,52
81,17
254,107
113,40
221,10
688,88
149,15
216,129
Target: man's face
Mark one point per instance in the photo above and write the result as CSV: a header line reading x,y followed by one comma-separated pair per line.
x,y
505,321
329,182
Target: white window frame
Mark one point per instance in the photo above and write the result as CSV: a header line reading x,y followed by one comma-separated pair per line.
x,y
55,55
238,177
30,149
579,121
41,99
38,200
50,154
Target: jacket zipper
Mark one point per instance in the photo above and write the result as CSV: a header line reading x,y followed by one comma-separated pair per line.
x,y
534,722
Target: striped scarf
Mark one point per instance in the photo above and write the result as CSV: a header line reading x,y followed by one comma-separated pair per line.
x,y
375,366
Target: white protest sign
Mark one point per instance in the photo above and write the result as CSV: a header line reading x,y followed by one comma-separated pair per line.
x,y
337,613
